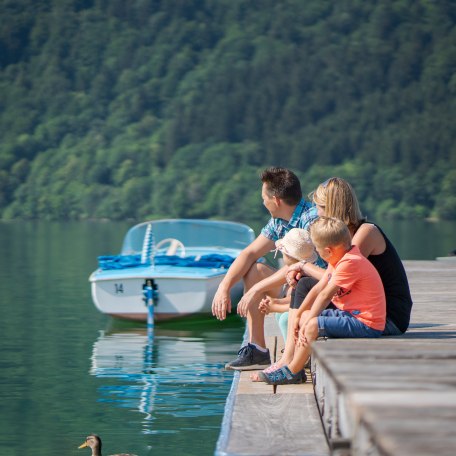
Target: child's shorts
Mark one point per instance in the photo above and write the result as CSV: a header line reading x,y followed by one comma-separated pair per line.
x,y
338,323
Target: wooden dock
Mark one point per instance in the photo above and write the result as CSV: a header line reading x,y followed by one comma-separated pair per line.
x,y
389,396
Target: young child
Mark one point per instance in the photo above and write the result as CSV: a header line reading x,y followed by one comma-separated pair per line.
x,y
295,246
353,286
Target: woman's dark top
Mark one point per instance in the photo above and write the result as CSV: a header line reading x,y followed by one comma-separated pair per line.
x,y
391,270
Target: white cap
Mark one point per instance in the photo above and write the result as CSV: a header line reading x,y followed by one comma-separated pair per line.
x,y
297,244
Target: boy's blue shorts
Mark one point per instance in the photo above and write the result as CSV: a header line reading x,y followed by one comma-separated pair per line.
x,y
338,323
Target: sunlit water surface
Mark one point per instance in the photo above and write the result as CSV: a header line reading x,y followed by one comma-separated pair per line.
x,y
66,370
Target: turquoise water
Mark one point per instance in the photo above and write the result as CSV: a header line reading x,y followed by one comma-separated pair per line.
x,y
66,370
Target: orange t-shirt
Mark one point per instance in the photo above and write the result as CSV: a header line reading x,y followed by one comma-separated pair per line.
x,y
361,290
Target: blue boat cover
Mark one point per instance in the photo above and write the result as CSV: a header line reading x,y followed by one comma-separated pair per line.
x,y
107,262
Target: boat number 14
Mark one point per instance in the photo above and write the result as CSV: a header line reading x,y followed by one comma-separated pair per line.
x,y
119,288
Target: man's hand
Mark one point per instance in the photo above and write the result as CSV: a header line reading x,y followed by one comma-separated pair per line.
x,y
245,303
294,274
221,305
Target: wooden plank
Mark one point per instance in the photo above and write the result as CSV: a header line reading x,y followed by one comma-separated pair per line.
x,y
271,328
271,344
246,386
303,388
276,424
388,396
414,426
269,420
396,395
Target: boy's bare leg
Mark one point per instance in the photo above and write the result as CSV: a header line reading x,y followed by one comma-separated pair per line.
x,y
302,352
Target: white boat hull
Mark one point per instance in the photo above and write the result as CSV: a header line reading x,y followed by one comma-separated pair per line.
x,y
123,297
185,280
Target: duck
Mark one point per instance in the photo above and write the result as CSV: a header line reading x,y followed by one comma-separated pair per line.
x,y
93,441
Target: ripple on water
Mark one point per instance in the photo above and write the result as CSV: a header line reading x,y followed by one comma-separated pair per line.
x,y
164,377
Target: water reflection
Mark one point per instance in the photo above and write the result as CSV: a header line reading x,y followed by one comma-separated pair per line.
x,y
171,374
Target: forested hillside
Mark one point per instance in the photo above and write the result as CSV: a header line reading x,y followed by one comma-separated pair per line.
x,y
147,108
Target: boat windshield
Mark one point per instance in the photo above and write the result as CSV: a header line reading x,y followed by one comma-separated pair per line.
x,y
192,233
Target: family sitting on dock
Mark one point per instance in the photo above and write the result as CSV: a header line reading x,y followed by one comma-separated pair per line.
x,y
355,287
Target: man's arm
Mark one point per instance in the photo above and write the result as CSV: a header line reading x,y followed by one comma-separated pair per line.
x,y
261,288
238,269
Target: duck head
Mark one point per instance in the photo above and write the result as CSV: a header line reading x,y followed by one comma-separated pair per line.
x,y
94,442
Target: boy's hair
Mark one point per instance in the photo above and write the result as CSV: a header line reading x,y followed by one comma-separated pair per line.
x,y
329,232
340,201
283,184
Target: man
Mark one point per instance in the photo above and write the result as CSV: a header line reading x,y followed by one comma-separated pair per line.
x,y
282,197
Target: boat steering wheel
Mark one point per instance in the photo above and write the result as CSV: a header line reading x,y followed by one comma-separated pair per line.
x,y
174,245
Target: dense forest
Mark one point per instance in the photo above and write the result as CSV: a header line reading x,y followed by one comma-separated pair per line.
x,y
145,108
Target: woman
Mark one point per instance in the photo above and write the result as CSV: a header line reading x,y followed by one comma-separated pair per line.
x,y
336,198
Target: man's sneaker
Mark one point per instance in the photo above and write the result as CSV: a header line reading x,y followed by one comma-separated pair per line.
x,y
250,358
283,376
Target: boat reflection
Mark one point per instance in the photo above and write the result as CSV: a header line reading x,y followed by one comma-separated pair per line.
x,y
171,373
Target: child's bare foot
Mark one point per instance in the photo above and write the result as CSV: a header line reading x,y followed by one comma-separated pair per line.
x,y
255,377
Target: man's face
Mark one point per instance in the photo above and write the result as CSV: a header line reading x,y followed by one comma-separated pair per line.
x,y
269,202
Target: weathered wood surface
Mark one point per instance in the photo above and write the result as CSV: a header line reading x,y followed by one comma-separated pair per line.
x,y
389,396
396,395
265,420
276,424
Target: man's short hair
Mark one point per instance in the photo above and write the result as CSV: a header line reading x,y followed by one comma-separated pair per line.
x,y
330,232
282,183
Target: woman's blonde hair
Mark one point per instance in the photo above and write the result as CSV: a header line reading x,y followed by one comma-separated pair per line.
x,y
339,199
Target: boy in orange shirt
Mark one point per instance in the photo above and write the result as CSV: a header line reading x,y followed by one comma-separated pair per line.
x,y
351,283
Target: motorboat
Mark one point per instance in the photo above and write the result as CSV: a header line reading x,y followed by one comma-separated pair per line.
x,y
170,268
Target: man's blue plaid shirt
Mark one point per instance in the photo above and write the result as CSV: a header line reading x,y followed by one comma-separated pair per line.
x,y
304,214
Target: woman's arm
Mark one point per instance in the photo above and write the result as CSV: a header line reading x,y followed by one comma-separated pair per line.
x,y
309,269
369,240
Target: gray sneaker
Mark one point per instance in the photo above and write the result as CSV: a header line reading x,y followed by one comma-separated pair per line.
x,y
250,358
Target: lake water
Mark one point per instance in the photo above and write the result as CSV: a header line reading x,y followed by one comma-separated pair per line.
x,y
66,370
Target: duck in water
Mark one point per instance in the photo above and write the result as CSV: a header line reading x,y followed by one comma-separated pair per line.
x,y
93,441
